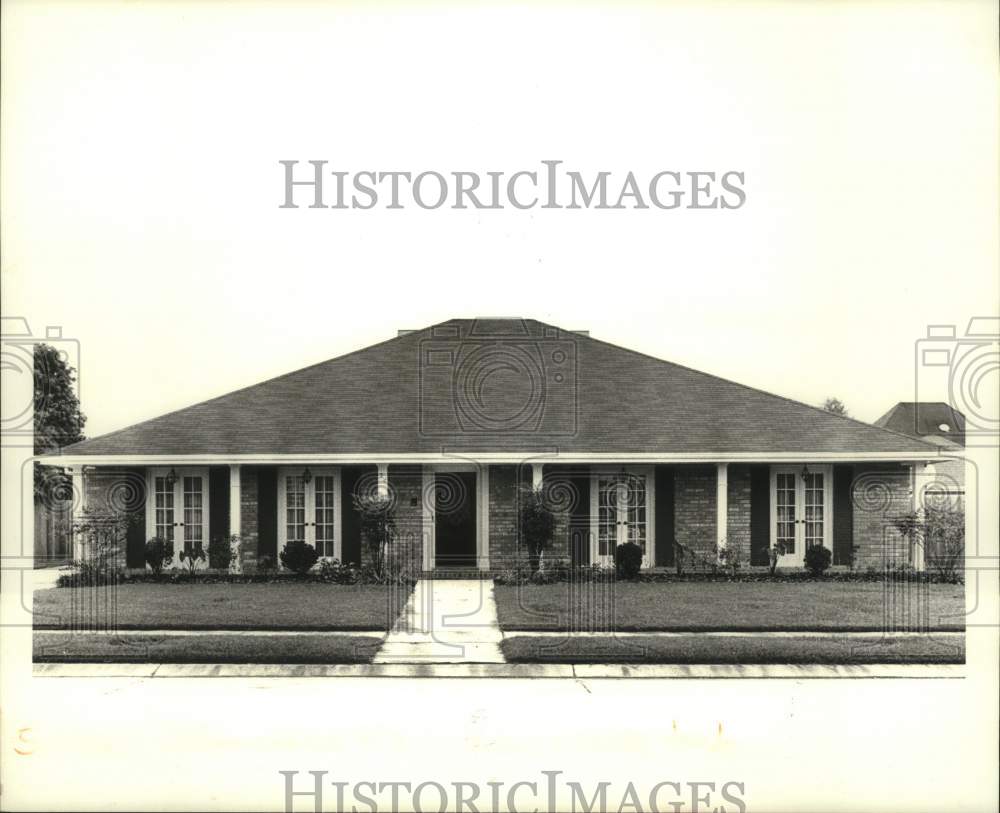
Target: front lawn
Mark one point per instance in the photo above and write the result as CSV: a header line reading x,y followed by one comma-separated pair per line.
x,y
221,606
703,649
708,605
111,648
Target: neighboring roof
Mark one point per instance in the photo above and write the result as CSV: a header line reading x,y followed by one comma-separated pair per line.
x,y
497,385
933,421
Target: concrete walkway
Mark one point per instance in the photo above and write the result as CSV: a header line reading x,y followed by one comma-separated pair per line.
x,y
446,621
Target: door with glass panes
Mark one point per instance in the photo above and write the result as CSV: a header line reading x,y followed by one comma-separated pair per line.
x,y
309,509
620,513
177,509
801,511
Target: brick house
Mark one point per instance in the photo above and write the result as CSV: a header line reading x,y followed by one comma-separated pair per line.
x,y
448,421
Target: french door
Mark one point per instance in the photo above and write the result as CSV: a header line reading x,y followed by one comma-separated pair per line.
x,y
801,511
620,513
309,508
178,510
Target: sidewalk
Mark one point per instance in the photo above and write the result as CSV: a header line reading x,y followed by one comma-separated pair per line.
x,y
446,621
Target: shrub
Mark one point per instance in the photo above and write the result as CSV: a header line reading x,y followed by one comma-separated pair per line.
x,y
628,560
265,565
730,558
332,570
222,551
158,553
190,558
102,538
941,531
299,557
818,559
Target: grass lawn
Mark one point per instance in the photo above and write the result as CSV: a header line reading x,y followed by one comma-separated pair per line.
x,y
111,648
682,606
267,606
699,649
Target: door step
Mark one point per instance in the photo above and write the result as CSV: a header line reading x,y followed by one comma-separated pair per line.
x,y
455,573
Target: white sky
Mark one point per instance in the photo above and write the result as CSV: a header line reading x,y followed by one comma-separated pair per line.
x,y
141,184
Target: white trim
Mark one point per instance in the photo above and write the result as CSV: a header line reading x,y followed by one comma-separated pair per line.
x,y
67,460
798,558
178,525
79,506
537,475
721,505
235,514
310,506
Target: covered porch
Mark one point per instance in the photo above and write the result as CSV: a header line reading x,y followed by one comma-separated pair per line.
x,y
462,512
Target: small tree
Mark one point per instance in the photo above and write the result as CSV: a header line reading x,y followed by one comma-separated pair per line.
x,y
101,537
774,553
836,406
941,531
158,553
378,526
537,522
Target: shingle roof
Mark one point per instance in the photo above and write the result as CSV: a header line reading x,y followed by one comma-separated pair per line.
x,y
497,385
925,419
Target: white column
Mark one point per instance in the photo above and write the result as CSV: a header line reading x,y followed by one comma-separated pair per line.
x,y
922,476
383,479
536,475
721,503
79,504
235,515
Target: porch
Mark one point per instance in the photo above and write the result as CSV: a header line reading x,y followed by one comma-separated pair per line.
x,y
461,515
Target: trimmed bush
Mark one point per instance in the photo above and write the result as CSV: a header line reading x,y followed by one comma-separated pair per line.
x,y
299,557
818,559
220,552
158,553
628,560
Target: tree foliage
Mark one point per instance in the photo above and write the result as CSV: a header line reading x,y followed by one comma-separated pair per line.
x,y
836,406
58,419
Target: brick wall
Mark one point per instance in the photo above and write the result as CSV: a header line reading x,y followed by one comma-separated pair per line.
x,y
738,513
694,509
503,517
879,495
248,518
120,491
406,486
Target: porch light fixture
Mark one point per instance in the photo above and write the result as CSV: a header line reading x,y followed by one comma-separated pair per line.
x,y
307,475
171,477
805,474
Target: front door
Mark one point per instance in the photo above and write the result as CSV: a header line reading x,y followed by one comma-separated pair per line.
x,y
802,500
455,519
621,515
